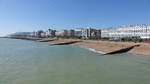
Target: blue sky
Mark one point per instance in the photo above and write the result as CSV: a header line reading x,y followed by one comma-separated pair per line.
x,y
29,15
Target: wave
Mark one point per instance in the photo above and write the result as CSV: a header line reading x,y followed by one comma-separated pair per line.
x,y
93,50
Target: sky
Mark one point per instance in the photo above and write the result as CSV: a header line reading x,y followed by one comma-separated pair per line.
x,y
32,15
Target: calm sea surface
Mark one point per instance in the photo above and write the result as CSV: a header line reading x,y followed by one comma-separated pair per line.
x,y
29,62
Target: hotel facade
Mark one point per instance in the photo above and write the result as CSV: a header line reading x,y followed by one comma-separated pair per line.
x,y
140,31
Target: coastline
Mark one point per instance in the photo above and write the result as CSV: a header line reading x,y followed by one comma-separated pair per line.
x,y
103,47
99,46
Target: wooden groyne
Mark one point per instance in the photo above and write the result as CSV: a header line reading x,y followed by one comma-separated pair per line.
x,y
66,43
48,40
124,50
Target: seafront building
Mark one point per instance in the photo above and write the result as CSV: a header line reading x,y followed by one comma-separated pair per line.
x,y
71,33
33,34
84,33
91,33
132,31
138,31
43,35
78,32
40,33
62,33
50,33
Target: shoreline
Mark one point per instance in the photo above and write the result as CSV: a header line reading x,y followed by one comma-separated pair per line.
x,y
102,47
99,46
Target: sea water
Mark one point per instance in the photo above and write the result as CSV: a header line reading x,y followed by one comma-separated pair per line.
x,y
30,62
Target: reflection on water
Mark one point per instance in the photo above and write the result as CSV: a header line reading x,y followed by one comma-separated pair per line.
x,y
28,62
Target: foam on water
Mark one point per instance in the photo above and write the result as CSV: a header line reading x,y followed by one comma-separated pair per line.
x,y
93,50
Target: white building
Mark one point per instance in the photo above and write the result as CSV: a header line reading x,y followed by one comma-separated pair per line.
x,y
33,34
78,32
141,31
85,33
43,35
62,33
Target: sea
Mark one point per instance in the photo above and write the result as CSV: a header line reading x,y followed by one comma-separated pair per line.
x,y
31,62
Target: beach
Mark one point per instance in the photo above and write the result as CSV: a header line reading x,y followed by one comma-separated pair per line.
x,y
108,46
99,46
